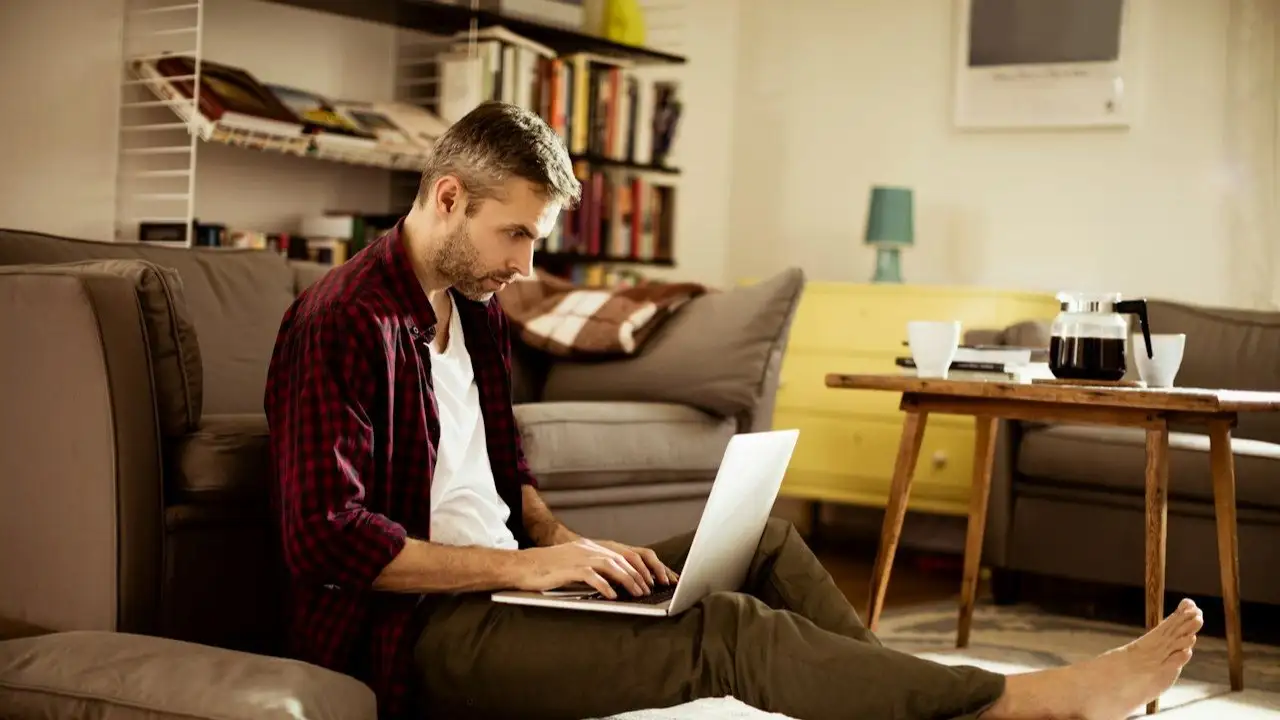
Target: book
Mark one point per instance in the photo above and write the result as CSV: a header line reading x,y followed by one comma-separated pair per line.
x,y
328,128
398,127
230,98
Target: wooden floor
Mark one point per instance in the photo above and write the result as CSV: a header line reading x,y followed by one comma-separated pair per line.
x,y
916,578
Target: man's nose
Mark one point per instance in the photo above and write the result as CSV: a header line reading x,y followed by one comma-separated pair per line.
x,y
522,263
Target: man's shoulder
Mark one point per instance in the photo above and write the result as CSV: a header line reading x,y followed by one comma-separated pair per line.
x,y
350,303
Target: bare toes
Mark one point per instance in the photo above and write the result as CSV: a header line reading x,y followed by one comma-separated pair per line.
x,y
1184,643
1179,658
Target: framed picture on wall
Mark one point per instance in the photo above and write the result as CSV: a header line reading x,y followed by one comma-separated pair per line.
x,y
1045,63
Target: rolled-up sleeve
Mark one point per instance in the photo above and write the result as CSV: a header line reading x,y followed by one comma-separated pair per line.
x,y
322,388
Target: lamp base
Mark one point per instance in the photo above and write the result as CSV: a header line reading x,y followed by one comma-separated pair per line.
x,y
888,265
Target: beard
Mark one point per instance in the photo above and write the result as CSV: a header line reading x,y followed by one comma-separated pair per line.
x,y
459,263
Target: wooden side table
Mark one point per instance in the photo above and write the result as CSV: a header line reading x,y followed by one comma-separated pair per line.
x,y
1150,409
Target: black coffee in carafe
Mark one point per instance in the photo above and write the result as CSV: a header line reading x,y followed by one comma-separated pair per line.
x,y
1087,340
1087,358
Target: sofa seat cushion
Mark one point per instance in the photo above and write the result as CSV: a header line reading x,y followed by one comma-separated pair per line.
x,y
226,459
89,674
579,445
1115,459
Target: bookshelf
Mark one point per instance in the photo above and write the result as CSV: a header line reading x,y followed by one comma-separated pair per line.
x,y
162,129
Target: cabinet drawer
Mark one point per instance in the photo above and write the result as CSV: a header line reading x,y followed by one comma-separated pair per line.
x,y
850,318
847,450
803,387
838,322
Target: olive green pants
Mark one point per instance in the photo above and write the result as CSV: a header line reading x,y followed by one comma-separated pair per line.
x,y
789,643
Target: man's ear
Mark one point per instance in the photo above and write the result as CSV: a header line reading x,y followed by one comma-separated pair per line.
x,y
448,197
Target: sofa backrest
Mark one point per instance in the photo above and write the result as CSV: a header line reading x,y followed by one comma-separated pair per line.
x,y
235,298
1229,349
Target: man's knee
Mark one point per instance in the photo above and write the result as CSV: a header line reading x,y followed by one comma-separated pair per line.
x,y
776,531
727,615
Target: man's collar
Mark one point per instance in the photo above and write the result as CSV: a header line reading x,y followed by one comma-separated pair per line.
x,y
406,284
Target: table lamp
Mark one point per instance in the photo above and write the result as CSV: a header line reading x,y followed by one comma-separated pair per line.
x,y
890,227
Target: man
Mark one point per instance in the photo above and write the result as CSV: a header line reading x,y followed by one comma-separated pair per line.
x,y
404,499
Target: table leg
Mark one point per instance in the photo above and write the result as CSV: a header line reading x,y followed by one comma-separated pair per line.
x,y
895,511
1224,501
983,458
1157,483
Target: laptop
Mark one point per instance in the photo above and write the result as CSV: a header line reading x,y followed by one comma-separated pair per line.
x,y
724,543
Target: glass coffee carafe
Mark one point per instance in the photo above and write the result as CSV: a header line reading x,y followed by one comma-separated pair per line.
x,y
1087,340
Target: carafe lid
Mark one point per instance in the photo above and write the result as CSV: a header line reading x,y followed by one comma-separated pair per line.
x,y
1088,301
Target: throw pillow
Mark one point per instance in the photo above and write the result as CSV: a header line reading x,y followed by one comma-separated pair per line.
x,y
713,354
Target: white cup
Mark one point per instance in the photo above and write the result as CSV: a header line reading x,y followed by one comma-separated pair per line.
x,y
1161,368
933,346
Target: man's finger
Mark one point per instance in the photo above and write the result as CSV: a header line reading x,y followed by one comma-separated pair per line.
x,y
630,568
638,561
655,566
617,571
593,578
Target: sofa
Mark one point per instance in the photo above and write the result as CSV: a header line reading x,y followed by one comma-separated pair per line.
x,y
1067,501
133,443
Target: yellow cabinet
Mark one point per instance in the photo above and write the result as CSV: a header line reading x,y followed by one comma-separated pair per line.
x,y
849,438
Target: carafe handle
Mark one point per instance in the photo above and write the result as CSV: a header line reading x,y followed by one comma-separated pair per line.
x,y
1139,308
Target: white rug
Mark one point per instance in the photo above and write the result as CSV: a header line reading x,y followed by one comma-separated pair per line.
x,y
1022,639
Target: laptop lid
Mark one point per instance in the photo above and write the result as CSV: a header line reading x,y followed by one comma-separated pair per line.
x,y
735,514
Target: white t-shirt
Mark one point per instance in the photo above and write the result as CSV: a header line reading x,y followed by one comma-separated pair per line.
x,y
465,506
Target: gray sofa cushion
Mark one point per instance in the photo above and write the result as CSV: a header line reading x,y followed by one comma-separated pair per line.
x,y
581,445
713,354
87,674
235,299
1115,459
1230,349
176,366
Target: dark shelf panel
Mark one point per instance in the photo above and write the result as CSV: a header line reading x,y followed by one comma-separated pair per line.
x,y
547,258
606,162
444,18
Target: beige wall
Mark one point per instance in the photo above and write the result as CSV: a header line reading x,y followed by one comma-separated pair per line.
x,y
59,87
834,97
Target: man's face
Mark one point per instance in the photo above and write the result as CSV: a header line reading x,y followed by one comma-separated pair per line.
x,y
481,254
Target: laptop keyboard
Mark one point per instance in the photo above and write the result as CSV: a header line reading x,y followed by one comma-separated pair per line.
x,y
658,596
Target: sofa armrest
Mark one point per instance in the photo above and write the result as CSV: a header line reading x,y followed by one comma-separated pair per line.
x,y
121,675
80,457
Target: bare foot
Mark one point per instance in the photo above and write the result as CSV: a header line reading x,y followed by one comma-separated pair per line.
x,y
1110,686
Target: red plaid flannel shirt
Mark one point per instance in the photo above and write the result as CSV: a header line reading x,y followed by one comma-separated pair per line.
x,y
354,436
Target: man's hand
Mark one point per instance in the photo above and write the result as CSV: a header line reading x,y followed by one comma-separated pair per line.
x,y
585,561
644,561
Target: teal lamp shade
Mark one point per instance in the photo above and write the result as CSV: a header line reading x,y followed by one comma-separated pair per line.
x,y
890,227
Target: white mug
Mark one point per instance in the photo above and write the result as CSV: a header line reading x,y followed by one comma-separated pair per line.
x,y
933,346
1159,370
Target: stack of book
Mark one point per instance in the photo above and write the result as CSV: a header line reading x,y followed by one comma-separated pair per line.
x,y
996,363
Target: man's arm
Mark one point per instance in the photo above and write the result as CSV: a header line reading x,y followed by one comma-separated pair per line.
x,y
426,567
320,382
542,526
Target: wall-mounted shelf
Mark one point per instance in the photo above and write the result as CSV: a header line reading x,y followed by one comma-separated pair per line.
x,y
438,16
